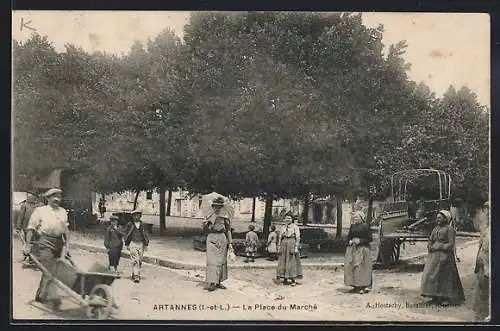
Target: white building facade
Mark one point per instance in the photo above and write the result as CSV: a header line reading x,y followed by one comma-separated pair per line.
x,y
184,204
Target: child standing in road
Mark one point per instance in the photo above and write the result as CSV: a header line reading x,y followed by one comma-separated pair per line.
x,y
272,241
113,241
251,242
136,242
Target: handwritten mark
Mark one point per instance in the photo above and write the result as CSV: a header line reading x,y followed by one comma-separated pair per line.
x,y
25,25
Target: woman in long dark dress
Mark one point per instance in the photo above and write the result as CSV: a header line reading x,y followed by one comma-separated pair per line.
x,y
358,265
219,240
440,278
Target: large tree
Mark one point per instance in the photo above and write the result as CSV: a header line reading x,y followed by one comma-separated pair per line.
x,y
37,135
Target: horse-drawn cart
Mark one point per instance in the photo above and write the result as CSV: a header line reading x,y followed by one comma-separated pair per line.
x,y
90,289
408,219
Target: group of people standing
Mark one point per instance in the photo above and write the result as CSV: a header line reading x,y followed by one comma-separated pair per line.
x,y
44,229
440,279
42,224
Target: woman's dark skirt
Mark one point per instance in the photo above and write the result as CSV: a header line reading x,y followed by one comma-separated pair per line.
x,y
440,278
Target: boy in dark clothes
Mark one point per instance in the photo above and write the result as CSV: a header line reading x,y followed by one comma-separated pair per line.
x,y
113,241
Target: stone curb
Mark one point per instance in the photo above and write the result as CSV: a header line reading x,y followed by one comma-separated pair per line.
x,y
175,264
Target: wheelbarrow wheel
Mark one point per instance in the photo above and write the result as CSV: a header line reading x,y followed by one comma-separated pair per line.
x,y
100,303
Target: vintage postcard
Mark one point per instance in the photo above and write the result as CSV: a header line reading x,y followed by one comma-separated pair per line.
x,y
250,166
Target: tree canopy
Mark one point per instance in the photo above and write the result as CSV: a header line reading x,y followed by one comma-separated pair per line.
x,y
247,104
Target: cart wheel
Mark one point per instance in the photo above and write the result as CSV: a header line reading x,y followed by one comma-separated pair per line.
x,y
101,303
389,251
396,251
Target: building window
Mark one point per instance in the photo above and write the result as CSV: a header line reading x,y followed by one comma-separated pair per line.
x,y
149,195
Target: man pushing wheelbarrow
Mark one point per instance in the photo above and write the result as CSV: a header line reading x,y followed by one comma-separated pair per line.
x,y
90,289
49,224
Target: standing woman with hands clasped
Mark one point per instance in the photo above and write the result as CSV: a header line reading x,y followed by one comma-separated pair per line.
x,y
358,262
288,252
440,279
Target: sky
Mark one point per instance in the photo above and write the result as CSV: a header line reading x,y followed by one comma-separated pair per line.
x,y
443,48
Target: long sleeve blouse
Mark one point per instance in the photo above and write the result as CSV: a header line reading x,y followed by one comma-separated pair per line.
x,y
442,238
290,231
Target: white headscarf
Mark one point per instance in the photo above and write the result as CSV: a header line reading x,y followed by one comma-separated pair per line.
x,y
446,214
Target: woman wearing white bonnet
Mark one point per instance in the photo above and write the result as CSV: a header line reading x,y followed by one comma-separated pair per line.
x,y
358,264
440,279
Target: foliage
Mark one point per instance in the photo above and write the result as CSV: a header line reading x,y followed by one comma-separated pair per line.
x,y
261,104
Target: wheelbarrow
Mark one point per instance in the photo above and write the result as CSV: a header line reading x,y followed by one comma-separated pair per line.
x,y
92,290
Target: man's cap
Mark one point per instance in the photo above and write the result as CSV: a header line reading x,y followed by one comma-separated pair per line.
x,y
136,211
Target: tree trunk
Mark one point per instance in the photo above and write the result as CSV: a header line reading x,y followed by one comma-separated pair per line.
x,y
369,212
305,212
329,212
136,198
163,223
338,233
169,202
268,215
317,213
253,209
